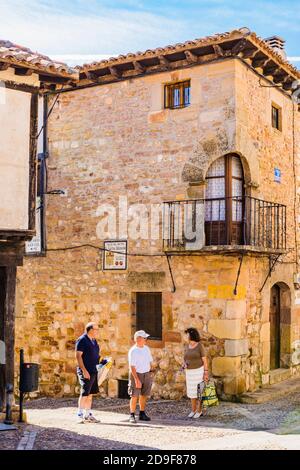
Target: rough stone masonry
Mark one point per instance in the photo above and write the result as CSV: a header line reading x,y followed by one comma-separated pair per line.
x,y
118,140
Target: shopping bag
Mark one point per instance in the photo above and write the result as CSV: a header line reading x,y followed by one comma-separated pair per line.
x,y
209,396
103,369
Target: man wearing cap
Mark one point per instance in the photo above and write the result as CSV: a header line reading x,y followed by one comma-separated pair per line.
x,y
140,379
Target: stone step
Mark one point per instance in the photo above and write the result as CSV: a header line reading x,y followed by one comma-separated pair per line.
x,y
279,375
271,392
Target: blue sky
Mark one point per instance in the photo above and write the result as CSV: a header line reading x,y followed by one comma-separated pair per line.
x,y
79,31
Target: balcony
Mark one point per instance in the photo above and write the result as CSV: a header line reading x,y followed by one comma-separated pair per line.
x,y
224,225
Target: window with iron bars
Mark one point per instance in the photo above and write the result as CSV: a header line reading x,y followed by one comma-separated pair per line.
x,y
149,313
177,95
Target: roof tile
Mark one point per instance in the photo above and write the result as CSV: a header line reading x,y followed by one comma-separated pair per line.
x,y
19,55
213,39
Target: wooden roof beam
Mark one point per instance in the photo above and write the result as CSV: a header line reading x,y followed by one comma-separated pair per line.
x,y
164,61
280,77
4,66
249,53
235,50
218,50
271,69
115,72
260,62
23,71
288,83
191,57
92,76
55,80
239,47
138,67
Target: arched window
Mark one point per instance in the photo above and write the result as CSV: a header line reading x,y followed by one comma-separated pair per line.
x,y
224,202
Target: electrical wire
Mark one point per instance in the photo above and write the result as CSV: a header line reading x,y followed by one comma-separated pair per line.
x,y
48,115
100,248
180,253
268,86
171,273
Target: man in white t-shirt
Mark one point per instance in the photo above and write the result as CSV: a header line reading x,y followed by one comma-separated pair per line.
x,y
140,378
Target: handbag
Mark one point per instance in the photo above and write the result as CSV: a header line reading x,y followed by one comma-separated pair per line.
x,y
209,396
200,390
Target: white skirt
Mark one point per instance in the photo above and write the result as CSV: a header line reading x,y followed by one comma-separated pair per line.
x,y
193,378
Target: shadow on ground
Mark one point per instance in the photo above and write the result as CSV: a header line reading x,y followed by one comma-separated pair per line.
x,y
51,438
280,417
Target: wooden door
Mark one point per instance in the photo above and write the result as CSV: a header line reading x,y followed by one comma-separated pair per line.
x,y
275,328
224,205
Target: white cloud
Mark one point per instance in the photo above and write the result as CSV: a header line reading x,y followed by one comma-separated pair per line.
x,y
93,28
51,30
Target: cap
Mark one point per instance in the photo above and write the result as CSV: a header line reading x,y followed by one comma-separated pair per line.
x,y
140,333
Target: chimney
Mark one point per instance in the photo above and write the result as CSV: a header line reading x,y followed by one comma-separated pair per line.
x,y
277,43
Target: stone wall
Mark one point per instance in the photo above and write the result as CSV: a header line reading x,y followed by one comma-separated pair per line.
x,y
117,140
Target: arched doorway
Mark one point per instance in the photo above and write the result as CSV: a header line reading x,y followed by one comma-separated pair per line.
x,y
280,326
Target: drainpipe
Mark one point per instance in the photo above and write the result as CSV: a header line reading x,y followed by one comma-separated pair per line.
x,y
43,173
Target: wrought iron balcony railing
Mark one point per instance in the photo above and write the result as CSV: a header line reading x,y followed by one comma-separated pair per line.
x,y
236,221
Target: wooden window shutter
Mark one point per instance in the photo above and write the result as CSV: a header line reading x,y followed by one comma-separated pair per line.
x,y
149,313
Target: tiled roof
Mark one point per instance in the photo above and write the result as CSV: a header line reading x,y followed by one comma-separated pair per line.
x,y
215,39
239,42
23,57
256,40
208,40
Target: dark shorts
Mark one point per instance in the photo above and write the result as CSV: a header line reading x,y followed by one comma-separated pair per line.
x,y
88,386
146,381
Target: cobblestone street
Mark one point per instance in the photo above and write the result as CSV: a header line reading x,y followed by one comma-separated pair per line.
x,y
52,425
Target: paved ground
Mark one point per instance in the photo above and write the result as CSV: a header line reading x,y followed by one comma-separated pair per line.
x,y
52,425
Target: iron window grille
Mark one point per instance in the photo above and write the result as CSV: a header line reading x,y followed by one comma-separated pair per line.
x,y
177,95
149,313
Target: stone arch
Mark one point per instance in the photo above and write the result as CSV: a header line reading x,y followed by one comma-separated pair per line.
x,y
245,165
209,149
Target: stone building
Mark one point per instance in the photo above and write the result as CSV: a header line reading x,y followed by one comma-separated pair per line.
x,y
208,130
22,75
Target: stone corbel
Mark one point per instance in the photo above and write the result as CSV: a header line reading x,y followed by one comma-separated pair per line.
x,y
252,184
192,174
196,190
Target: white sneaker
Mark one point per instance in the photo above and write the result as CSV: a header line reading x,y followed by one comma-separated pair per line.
x,y
80,419
197,415
191,415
